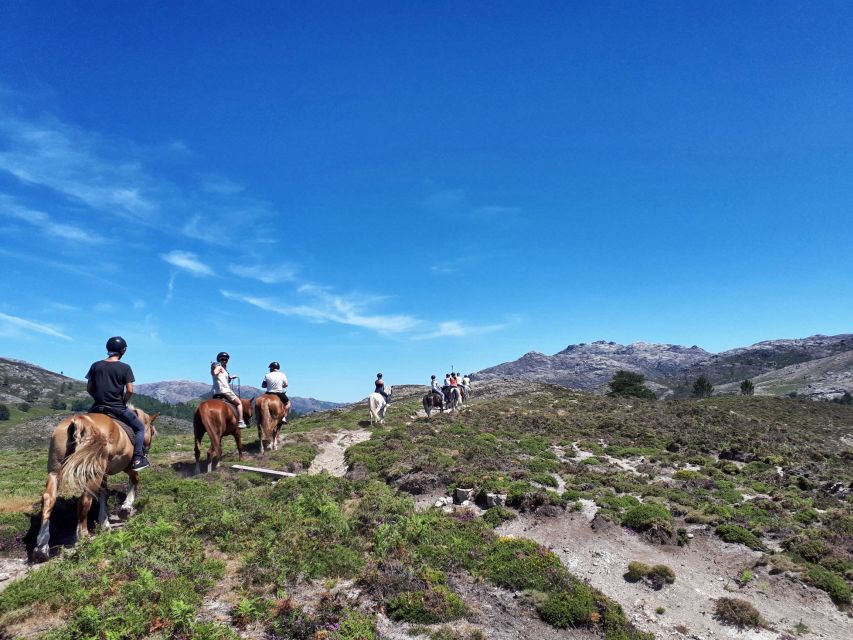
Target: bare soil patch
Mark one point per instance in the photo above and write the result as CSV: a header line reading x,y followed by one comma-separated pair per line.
x,y
705,570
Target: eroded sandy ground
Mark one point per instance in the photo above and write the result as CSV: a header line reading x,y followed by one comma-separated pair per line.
x,y
330,457
705,570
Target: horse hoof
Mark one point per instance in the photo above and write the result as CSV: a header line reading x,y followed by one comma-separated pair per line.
x,y
126,512
41,554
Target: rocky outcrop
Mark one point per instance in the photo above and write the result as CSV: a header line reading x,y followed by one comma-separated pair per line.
x,y
673,368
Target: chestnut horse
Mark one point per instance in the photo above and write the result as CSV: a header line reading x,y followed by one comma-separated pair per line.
x,y
270,413
218,418
84,450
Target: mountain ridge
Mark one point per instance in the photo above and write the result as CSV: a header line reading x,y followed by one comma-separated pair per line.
x,y
671,369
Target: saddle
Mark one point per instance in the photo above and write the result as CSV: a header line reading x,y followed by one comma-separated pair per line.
x,y
112,414
223,398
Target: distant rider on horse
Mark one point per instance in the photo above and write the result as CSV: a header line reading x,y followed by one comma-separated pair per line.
x,y
222,385
275,383
435,388
111,386
380,386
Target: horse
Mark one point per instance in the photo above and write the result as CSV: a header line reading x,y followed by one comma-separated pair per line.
x,y
84,450
378,405
431,401
270,413
455,400
218,418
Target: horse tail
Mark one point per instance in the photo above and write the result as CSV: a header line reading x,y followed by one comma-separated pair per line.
x,y
84,469
264,418
198,426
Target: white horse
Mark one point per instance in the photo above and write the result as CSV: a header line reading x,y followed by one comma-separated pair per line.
x,y
378,405
455,398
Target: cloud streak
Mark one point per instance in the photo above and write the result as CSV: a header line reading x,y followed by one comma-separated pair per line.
x,y
271,274
187,261
44,223
11,324
327,307
455,329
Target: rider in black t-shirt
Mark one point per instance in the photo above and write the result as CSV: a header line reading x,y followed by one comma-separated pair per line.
x,y
111,385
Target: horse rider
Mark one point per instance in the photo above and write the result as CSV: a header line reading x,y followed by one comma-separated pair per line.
x,y
111,386
435,388
445,388
466,382
380,387
222,385
275,383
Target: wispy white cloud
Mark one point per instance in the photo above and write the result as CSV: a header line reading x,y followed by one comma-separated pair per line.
x,y
328,307
75,163
44,223
112,176
455,329
11,325
187,261
496,211
456,202
271,274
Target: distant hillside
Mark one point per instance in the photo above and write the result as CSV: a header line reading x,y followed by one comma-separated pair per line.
x,y
672,369
179,391
824,379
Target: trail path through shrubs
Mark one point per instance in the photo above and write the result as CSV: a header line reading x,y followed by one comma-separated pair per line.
x,y
331,455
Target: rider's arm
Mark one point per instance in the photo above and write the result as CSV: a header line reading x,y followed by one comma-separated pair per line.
x,y
90,388
128,391
284,381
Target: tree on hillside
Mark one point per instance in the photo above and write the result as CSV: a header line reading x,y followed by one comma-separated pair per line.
x,y
747,388
627,384
4,412
702,388
32,395
845,399
57,403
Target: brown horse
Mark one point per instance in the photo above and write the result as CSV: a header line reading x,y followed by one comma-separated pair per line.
x,y
431,401
270,413
84,450
218,418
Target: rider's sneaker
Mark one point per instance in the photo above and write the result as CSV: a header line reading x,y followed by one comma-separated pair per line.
x,y
139,464
242,425
284,420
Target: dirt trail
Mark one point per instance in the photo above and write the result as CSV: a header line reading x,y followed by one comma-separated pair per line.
x,y
704,571
331,455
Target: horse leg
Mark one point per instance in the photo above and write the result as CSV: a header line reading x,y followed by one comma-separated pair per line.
x,y
84,503
102,505
48,500
212,453
197,455
126,509
239,439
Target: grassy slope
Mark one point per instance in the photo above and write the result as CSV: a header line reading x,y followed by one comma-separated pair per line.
x,y
149,579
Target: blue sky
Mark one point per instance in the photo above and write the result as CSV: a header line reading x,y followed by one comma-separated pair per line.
x,y
404,187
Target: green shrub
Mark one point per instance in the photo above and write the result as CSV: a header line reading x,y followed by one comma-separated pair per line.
x,y
834,585
736,534
563,609
738,613
647,516
498,515
430,606
656,575
522,564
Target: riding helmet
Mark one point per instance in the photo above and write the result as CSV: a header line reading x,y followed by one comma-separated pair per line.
x,y
378,375
274,366
221,355
432,377
116,344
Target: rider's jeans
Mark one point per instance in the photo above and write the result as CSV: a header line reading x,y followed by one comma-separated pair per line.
x,y
129,417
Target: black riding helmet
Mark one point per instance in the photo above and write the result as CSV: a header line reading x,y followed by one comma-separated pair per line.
x,y
116,344
222,355
378,375
432,377
274,366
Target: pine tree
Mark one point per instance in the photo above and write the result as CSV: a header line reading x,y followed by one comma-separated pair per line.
x,y
627,384
747,388
4,412
703,388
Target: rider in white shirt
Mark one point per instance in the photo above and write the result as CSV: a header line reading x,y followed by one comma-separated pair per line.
x,y
275,383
